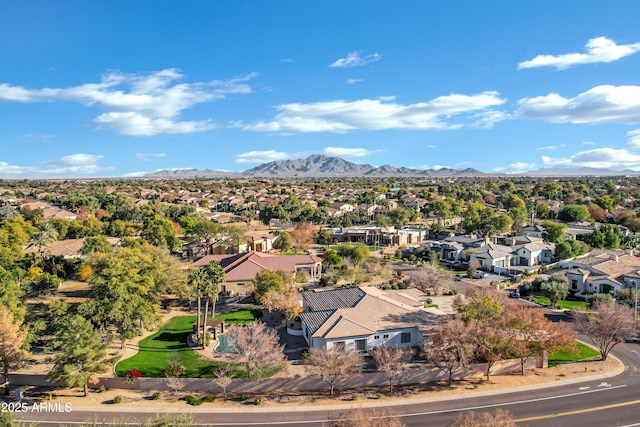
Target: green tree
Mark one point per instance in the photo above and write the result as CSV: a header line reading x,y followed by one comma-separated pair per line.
x,y
555,289
331,257
354,253
11,294
81,354
554,231
127,285
95,244
12,339
269,281
574,213
42,239
480,308
284,242
159,232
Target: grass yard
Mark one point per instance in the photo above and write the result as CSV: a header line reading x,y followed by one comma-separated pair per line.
x,y
240,316
564,304
170,342
563,356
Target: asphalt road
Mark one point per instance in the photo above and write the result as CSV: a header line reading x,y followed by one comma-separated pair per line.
x,y
610,402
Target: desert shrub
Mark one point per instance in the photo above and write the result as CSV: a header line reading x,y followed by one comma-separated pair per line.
x,y
117,399
155,396
193,401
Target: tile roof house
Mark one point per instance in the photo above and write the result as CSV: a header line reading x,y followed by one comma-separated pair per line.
x,y
70,248
363,318
242,268
602,271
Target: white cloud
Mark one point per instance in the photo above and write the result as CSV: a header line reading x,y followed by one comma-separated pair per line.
x,y
601,104
518,167
599,49
149,156
487,119
431,146
73,164
138,104
354,59
134,174
80,159
588,143
607,158
373,114
265,156
352,81
346,152
633,139
549,147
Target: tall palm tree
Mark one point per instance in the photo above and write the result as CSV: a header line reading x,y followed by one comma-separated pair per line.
x,y
214,274
197,278
42,239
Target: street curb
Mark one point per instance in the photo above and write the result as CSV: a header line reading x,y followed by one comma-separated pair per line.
x,y
342,406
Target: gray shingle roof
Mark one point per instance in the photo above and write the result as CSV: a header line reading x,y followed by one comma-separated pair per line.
x,y
333,299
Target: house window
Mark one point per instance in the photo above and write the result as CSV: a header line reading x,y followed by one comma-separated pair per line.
x,y
361,345
385,336
405,337
339,346
574,285
376,337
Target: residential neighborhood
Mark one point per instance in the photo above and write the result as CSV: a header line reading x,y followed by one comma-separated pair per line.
x,y
304,271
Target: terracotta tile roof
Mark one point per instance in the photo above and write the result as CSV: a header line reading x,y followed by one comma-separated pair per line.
x,y
245,266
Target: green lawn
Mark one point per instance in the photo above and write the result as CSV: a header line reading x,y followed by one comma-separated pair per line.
x,y
564,304
240,316
156,351
564,356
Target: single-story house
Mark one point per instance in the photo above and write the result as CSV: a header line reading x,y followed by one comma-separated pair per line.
x,y
242,268
602,271
359,319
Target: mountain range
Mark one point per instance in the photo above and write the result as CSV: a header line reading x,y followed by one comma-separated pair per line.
x,y
319,166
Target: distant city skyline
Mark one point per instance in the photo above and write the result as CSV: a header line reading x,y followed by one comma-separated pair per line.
x,y
108,89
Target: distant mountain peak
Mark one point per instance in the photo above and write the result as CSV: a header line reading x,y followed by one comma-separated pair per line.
x,y
317,165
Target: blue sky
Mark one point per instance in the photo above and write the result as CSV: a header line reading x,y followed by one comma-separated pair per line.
x,y
122,88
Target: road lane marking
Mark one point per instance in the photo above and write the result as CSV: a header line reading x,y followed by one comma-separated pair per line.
x,y
414,414
578,411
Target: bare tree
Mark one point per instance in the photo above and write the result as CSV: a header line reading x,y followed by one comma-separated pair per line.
x,y
531,333
390,361
356,417
497,418
429,279
222,378
302,235
335,366
257,346
451,347
175,384
608,326
491,340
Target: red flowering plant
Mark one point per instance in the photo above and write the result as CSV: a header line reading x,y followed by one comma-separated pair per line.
x,y
131,375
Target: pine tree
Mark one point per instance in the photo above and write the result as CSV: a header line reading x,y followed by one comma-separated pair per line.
x,y
82,353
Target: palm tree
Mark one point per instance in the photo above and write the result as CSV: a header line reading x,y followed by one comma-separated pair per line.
x,y
42,239
197,279
214,274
